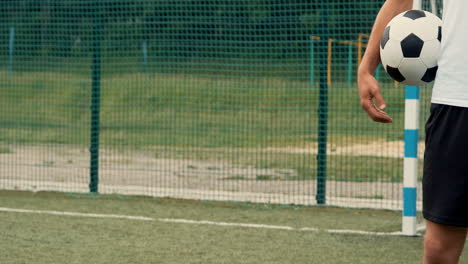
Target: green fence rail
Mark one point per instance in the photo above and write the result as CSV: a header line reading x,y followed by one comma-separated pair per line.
x,y
219,100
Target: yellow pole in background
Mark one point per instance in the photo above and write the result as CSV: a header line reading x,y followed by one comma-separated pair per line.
x,y
360,46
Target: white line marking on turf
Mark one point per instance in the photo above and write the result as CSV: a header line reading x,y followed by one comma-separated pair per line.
x,y
199,222
141,218
186,221
360,232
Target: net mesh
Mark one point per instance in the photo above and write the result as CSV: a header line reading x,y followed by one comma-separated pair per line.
x,y
220,100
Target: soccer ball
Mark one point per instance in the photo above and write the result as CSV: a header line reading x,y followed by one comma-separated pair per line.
x,y
410,47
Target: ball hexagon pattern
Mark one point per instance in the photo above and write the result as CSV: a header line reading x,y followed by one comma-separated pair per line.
x,y
410,47
414,14
393,47
427,55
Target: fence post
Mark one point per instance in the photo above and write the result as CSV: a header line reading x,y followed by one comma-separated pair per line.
x,y
323,107
377,73
350,66
11,48
144,49
95,96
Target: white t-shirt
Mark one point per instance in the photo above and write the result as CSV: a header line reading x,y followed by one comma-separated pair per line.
x,y
451,83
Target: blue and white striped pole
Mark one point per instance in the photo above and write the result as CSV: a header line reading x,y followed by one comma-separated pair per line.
x,y
410,166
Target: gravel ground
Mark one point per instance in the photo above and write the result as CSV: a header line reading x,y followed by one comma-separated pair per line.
x,y
66,168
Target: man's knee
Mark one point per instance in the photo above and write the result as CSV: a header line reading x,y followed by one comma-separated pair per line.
x,y
436,251
443,244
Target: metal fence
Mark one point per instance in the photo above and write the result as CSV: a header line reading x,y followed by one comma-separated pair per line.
x,y
216,100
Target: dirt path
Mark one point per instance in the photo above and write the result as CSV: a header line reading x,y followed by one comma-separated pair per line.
x,y
63,168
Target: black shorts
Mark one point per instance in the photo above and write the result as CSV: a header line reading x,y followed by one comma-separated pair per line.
x,y
445,177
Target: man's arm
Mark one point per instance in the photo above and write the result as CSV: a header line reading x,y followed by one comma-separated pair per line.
x,y
368,85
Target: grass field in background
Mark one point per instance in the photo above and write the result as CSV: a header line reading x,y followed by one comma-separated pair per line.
x,y
182,111
42,238
163,109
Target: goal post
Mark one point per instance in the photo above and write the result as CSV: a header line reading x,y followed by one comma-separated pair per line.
x,y
410,166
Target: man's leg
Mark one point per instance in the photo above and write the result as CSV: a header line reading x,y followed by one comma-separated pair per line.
x,y
443,244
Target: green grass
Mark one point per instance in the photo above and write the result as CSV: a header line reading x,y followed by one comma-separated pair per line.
x,y
216,113
167,109
5,150
28,238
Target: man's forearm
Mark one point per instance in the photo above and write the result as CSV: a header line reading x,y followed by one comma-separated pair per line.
x,y
389,10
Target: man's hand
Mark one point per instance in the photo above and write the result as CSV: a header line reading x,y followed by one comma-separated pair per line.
x,y
368,91
368,85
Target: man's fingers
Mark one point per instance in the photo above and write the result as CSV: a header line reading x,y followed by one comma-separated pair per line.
x,y
369,91
374,113
379,100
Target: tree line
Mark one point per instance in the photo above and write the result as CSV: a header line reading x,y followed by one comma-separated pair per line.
x,y
266,29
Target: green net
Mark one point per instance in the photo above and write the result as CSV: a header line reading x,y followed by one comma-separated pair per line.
x,y
220,100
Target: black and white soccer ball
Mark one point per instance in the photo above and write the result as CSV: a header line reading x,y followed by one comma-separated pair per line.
x,y
410,47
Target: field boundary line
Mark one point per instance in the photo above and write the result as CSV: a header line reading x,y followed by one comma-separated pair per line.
x,y
201,194
199,222
62,213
